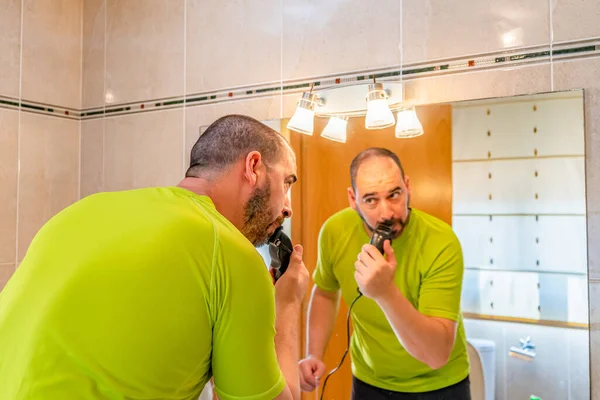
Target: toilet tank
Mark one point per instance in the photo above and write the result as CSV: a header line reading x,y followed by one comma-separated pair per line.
x,y
482,357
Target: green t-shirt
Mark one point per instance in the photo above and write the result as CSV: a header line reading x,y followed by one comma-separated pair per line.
x,y
141,294
429,274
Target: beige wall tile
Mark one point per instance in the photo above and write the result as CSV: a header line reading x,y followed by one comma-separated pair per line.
x,y
6,271
144,50
118,155
478,85
331,37
52,52
575,19
92,156
594,295
262,109
143,150
94,20
232,43
10,47
436,29
49,178
9,128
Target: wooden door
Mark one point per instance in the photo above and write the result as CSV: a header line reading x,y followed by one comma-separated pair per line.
x,y
324,176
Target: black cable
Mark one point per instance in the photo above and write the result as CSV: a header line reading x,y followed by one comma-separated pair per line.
x,y
347,341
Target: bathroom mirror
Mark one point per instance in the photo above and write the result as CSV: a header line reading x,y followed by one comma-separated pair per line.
x,y
509,175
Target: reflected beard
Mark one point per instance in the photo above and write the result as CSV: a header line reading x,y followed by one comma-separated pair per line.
x,y
392,221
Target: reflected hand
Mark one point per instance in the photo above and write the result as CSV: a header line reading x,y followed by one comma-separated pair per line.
x,y
375,273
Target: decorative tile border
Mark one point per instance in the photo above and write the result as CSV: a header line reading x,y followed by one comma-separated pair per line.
x,y
40,108
499,59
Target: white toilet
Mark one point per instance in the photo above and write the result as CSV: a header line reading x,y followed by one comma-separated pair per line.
x,y
482,357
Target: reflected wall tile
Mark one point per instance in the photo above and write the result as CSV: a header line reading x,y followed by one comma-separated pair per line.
x,y
547,375
583,74
575,19
10,47
265,108
9,128
49,178
6,271
52,52
144,50
478,85
327,37
94,20
436,29
143,150
92,156
233,43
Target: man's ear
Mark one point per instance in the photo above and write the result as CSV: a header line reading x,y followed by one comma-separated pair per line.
x,y
407,183
352,198
252,167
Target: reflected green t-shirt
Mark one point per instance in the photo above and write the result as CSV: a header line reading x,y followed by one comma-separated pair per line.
x,y
140,294
429,274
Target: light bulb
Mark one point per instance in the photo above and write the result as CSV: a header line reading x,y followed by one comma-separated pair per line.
x,y
303,119
379,114
336,129
408,124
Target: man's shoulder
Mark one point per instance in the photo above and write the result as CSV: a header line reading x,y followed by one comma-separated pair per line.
x,y
434,230
341,220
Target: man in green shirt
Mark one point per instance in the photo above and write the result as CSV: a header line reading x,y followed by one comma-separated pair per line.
x,y
148,293
408,340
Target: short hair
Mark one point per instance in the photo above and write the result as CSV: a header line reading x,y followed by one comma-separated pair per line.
x,y
368,154
231,138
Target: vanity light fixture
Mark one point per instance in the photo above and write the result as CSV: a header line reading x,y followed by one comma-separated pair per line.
x,y
376,101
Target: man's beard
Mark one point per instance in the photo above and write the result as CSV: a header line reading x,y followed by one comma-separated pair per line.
x,y
393,221
257,216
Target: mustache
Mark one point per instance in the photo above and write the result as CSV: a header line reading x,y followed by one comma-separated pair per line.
x,y
393,221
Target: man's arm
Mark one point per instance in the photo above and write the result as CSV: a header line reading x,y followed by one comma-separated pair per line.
x,y
286,347
255,343
322,311
289,292
429,339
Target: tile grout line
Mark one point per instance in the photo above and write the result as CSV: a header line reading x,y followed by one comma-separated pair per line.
x,y
183,129
104,39
551,43
79,121
18,208
281,27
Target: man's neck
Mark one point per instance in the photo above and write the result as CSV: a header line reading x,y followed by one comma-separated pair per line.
x,y
225,197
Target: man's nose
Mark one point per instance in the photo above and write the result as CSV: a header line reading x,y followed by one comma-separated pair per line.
x,y
386,212
287,207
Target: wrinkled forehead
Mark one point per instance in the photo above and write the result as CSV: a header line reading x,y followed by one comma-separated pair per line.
x,y
378,174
